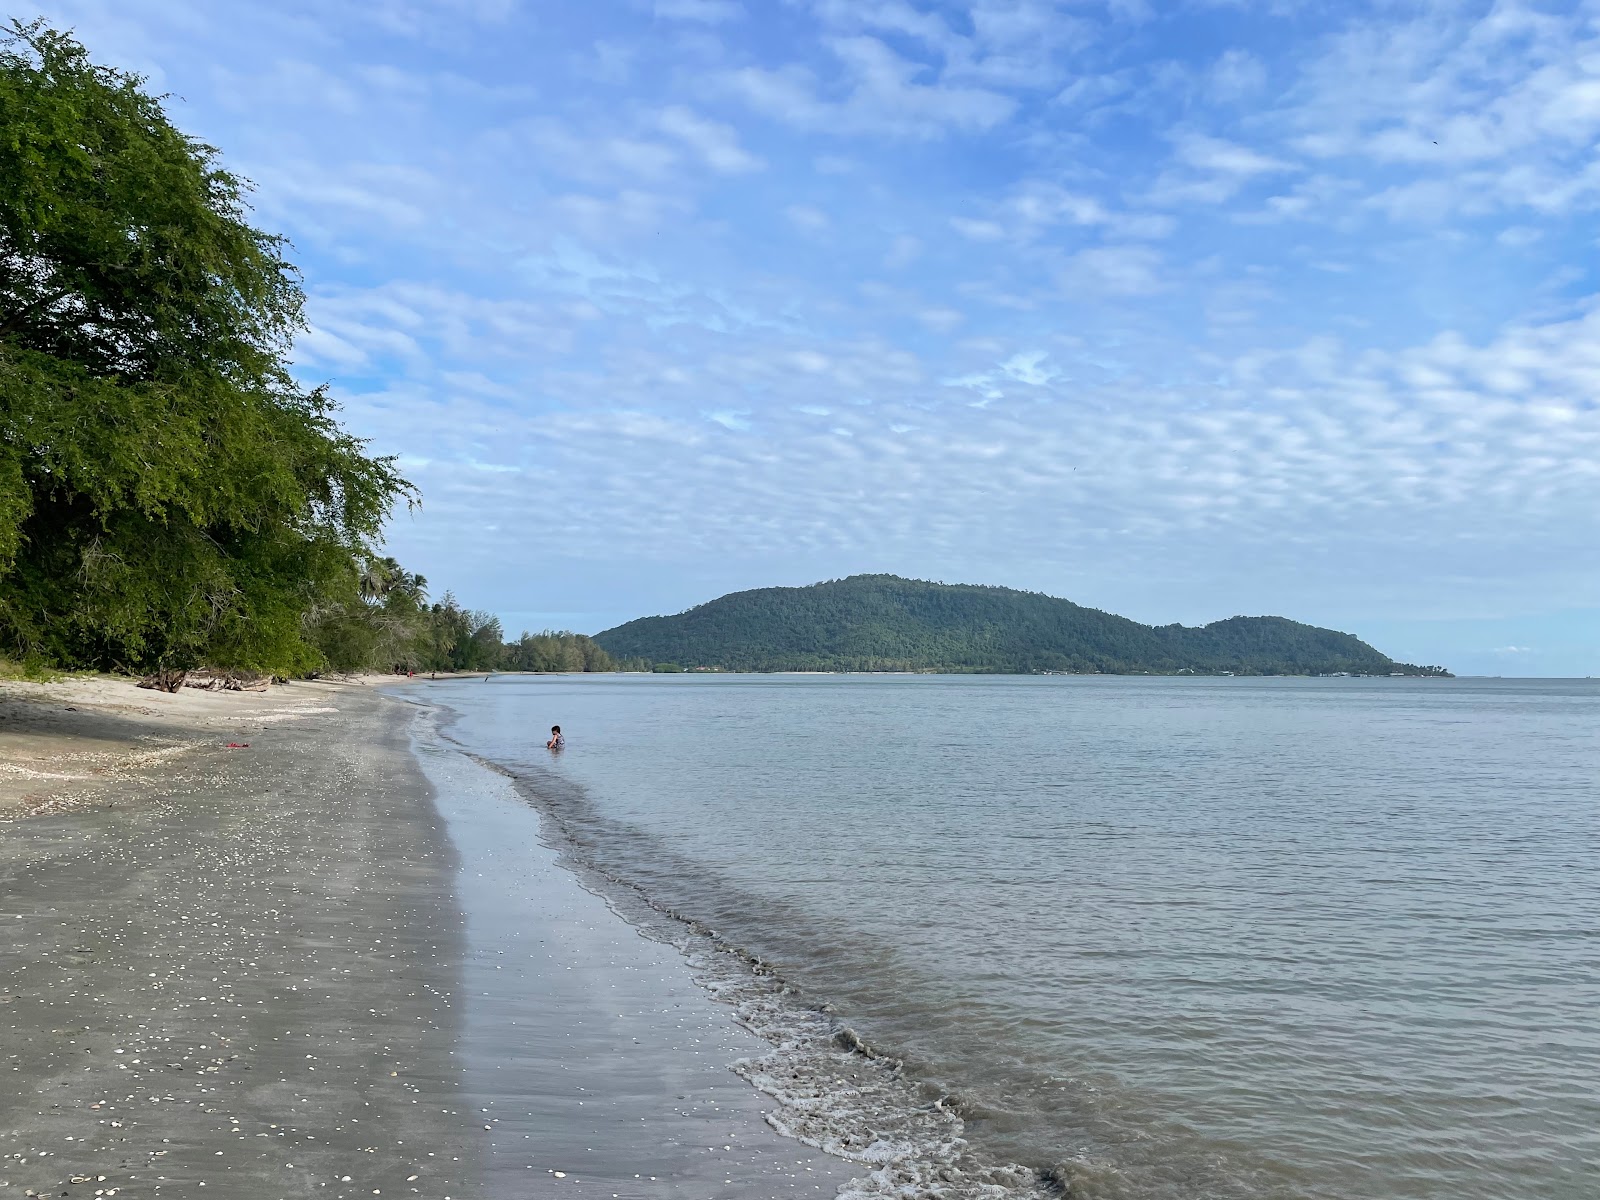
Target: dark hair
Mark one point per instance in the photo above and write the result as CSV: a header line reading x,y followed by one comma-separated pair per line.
x,y
555,729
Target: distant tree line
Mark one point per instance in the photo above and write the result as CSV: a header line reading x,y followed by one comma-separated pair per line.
x,y
390,625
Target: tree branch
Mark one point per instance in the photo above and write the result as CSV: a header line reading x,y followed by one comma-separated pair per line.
x,y
14,321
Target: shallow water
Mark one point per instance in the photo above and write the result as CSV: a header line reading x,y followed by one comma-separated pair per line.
x,y
585,1048
1156,938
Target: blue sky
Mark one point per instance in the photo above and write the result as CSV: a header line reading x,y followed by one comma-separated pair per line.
x,y
1180,310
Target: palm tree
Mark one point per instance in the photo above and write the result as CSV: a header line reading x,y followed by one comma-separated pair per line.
x,y
378,578
414,587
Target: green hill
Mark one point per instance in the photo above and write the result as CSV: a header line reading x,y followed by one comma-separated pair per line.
x,y
885,623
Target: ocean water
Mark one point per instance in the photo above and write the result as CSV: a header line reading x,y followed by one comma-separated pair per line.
x,y
1131,939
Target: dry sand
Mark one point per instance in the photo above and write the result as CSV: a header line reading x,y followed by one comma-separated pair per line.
x,y
268,972
62,743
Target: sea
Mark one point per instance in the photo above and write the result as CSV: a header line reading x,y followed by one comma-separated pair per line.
x,y
1117,938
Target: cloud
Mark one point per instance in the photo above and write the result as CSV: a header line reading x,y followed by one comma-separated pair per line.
x,y
593,156
1225,158
1122,315
1114,270
1210,171
1007,44
1236,75
877,91
1463,109
395,198
1036,208
1360,454
715,143
629,212
978,231
942,320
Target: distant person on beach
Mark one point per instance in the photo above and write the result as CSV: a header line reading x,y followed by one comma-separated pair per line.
x,y
556,741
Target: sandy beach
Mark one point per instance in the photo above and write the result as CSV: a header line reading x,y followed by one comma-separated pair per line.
x,y
305,967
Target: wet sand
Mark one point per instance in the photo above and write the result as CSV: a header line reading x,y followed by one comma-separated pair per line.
x,y
237,972
272,972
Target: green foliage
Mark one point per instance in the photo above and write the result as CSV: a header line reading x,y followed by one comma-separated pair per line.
x,y
558,651
168,493
386,624
33,671
884,623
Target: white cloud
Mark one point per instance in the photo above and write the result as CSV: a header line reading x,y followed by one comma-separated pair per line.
x,y
880,92
1372,452
716,144
397,197
629,212
1210,171
1029,367
1236,75
1114,270
1519,235
1007,44
1224,157
1467,110
1036,207
978,231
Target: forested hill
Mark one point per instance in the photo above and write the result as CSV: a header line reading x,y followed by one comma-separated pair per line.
x,y
885,623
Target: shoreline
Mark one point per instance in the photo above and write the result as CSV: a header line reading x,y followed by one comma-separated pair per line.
x,y
822,1085
592,1047
334,963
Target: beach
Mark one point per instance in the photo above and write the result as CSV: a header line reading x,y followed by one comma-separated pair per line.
x,y
386,944
271,971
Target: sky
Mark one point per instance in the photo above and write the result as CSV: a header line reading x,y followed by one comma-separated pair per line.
x,y
1177,309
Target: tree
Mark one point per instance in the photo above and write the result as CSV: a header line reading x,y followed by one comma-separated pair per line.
x,y
168,492
377,578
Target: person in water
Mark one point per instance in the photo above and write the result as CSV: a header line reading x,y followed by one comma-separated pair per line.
x,y
556,740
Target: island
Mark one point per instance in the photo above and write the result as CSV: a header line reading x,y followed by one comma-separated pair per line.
x,y
886,623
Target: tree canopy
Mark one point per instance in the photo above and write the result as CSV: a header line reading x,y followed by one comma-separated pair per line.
x,y
392,626
169,494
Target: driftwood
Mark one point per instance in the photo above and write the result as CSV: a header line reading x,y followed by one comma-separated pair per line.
x,y
168,679
227,681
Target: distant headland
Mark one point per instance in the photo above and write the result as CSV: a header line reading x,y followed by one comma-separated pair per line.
x,y
886,623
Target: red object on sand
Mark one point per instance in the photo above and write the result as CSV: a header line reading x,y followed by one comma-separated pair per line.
x,y
238,745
